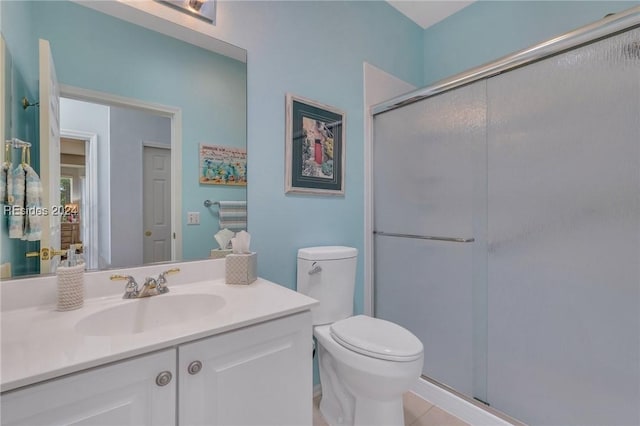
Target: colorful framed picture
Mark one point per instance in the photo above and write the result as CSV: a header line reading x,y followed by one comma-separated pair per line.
x,y
314,147
223,165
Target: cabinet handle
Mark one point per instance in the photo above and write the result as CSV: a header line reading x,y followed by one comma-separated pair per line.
x,y
194,367
164,378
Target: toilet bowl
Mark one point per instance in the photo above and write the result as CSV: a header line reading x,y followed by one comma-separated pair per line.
x,y
366,364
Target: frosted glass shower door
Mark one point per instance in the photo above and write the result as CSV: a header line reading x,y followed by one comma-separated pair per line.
x,y
425,178
564,237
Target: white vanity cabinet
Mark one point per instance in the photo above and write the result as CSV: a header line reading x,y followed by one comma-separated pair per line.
x,y
256,375
120,394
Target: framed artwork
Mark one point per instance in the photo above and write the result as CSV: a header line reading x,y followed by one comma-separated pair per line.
x,y
314,147
223,165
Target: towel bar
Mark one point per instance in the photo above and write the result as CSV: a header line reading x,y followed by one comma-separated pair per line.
x,y
425,237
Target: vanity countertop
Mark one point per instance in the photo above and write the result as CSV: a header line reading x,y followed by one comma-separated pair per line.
x,y
40,343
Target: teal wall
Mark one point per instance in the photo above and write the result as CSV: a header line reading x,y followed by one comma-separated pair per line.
x,y
313,49
488,30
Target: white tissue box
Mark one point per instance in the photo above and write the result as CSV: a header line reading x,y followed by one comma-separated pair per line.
x,y
241,268
219,253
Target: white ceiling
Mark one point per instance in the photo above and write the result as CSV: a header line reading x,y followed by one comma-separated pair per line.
x,y
427,12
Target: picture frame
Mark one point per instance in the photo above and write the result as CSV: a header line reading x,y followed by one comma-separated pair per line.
x,y
222,165
315,140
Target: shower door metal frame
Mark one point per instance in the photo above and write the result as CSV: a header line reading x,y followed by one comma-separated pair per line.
x,y
606,27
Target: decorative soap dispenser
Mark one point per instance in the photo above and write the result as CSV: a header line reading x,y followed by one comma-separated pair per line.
x,y
70,275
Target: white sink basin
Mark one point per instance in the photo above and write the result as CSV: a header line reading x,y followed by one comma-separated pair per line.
x,y
140,315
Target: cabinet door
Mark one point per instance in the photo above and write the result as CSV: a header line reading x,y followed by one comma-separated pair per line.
x,y
259,375
122,394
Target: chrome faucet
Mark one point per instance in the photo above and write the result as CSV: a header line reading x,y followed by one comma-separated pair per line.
x,y
151,286
131,289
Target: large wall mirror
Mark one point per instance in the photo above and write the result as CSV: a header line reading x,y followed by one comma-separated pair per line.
x,y
135,108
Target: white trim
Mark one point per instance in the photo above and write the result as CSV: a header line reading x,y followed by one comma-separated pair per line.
x,y
109,99
176,185
90,199
464,410
168,21
175,114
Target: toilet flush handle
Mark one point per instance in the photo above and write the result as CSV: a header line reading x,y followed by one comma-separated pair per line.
x,y
316,268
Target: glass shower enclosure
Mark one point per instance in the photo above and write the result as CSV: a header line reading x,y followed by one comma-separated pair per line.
x,y
507,233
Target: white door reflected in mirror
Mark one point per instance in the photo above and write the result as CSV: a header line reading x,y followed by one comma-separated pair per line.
x,y
133,181
156,208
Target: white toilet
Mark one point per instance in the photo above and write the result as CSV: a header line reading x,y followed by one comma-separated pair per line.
x,y
366,364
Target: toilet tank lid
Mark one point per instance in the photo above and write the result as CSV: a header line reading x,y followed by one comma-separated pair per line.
x,y
327,253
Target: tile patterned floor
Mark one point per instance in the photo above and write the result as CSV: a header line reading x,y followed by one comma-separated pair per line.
x,y
417,412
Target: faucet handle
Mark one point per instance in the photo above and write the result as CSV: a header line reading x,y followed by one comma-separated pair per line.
x,y
163,276
162,279
129,278
131,289
171,271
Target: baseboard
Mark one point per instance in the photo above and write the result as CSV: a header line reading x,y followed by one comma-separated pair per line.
x,y
455,405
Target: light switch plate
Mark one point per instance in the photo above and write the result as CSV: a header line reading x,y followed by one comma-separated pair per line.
x,y
193,218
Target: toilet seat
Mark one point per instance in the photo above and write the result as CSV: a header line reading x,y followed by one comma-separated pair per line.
x,y
376,338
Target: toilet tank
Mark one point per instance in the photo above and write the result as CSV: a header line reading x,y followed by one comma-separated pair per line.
x,y
328,274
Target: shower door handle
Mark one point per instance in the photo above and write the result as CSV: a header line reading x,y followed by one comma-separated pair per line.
x,y
426,237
